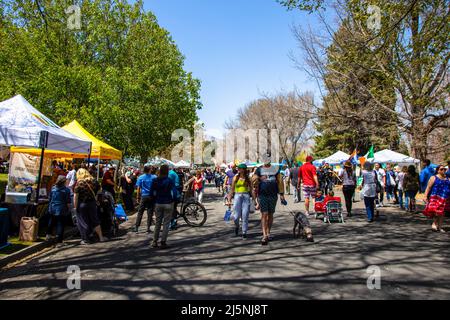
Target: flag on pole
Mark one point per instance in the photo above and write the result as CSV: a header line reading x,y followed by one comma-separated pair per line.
x,y
370,154
354,157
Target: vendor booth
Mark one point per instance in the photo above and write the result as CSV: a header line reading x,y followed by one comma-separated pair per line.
x,y
182,164
22,127
389,156
100,150
334,159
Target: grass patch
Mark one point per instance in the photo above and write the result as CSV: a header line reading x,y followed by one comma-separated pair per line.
x,y
3,182
16,245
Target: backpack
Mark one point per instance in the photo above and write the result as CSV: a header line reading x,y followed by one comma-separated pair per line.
x,y
377,182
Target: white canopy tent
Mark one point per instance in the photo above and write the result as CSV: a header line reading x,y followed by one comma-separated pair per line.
x,y
335,158
182,164
160,161
389,156
22,125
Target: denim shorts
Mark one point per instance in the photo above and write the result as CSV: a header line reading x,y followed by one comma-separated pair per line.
x,y
268,203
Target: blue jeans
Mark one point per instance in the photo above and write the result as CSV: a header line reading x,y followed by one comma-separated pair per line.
x,y
390,192
410,196
400,199
242,210
58,221
369,202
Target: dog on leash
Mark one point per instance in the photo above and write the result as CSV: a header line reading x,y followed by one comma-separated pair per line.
x,y
302,227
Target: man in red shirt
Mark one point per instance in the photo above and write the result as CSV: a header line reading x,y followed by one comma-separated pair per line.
x,y
307,174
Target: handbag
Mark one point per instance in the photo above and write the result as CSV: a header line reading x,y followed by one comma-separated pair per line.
x,y
392,180
377,182
227,216
29,227
93,193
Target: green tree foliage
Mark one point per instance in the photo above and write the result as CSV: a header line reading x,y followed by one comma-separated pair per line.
x,y
120,75
307,5
409,53
351,117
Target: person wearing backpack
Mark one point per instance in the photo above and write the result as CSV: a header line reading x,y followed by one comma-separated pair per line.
x,y
164,193
268,185
411,186
60,198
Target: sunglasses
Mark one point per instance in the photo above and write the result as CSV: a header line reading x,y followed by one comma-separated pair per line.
x,y
441,169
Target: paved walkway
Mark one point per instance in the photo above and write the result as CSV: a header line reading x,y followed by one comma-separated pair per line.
x,y
210,263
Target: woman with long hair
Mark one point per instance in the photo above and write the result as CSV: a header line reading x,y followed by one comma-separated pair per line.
x,y
198,186
348,178
85,203
241,190
411,184
437,197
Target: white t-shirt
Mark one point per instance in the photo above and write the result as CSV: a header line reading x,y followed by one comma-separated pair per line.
x,y
370,188
346,179
381,174
400,178
287,173
71,178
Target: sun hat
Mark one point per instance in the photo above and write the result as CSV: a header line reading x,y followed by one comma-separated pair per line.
x,y
242,166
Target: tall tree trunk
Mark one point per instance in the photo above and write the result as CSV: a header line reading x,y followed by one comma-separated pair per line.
x,y
144,157
419,140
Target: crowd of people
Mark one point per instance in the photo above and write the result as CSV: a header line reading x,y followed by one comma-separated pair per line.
x,y
400,185
158,191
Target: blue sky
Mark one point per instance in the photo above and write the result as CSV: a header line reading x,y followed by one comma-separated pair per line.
x,y
237,48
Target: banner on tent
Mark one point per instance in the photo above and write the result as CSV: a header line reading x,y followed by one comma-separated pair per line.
x,y
24,170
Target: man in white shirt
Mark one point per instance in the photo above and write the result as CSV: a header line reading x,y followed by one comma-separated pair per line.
x,y
287,180
71,177
381,175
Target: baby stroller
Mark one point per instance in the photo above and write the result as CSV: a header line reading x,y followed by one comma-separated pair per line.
x,y
106,213
331,210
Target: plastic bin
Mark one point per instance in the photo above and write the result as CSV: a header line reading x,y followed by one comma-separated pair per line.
x,y
4,227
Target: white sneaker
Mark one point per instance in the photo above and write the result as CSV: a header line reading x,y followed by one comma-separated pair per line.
x,y
377,205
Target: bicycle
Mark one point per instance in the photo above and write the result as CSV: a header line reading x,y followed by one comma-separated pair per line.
x,y
192,211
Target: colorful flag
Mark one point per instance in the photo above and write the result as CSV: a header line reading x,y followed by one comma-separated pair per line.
x,y
354,157
370,154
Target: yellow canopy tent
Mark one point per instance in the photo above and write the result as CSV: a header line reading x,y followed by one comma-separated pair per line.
x,y
100,149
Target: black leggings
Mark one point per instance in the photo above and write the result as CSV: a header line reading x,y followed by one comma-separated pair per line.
x,y
349,191
87,218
